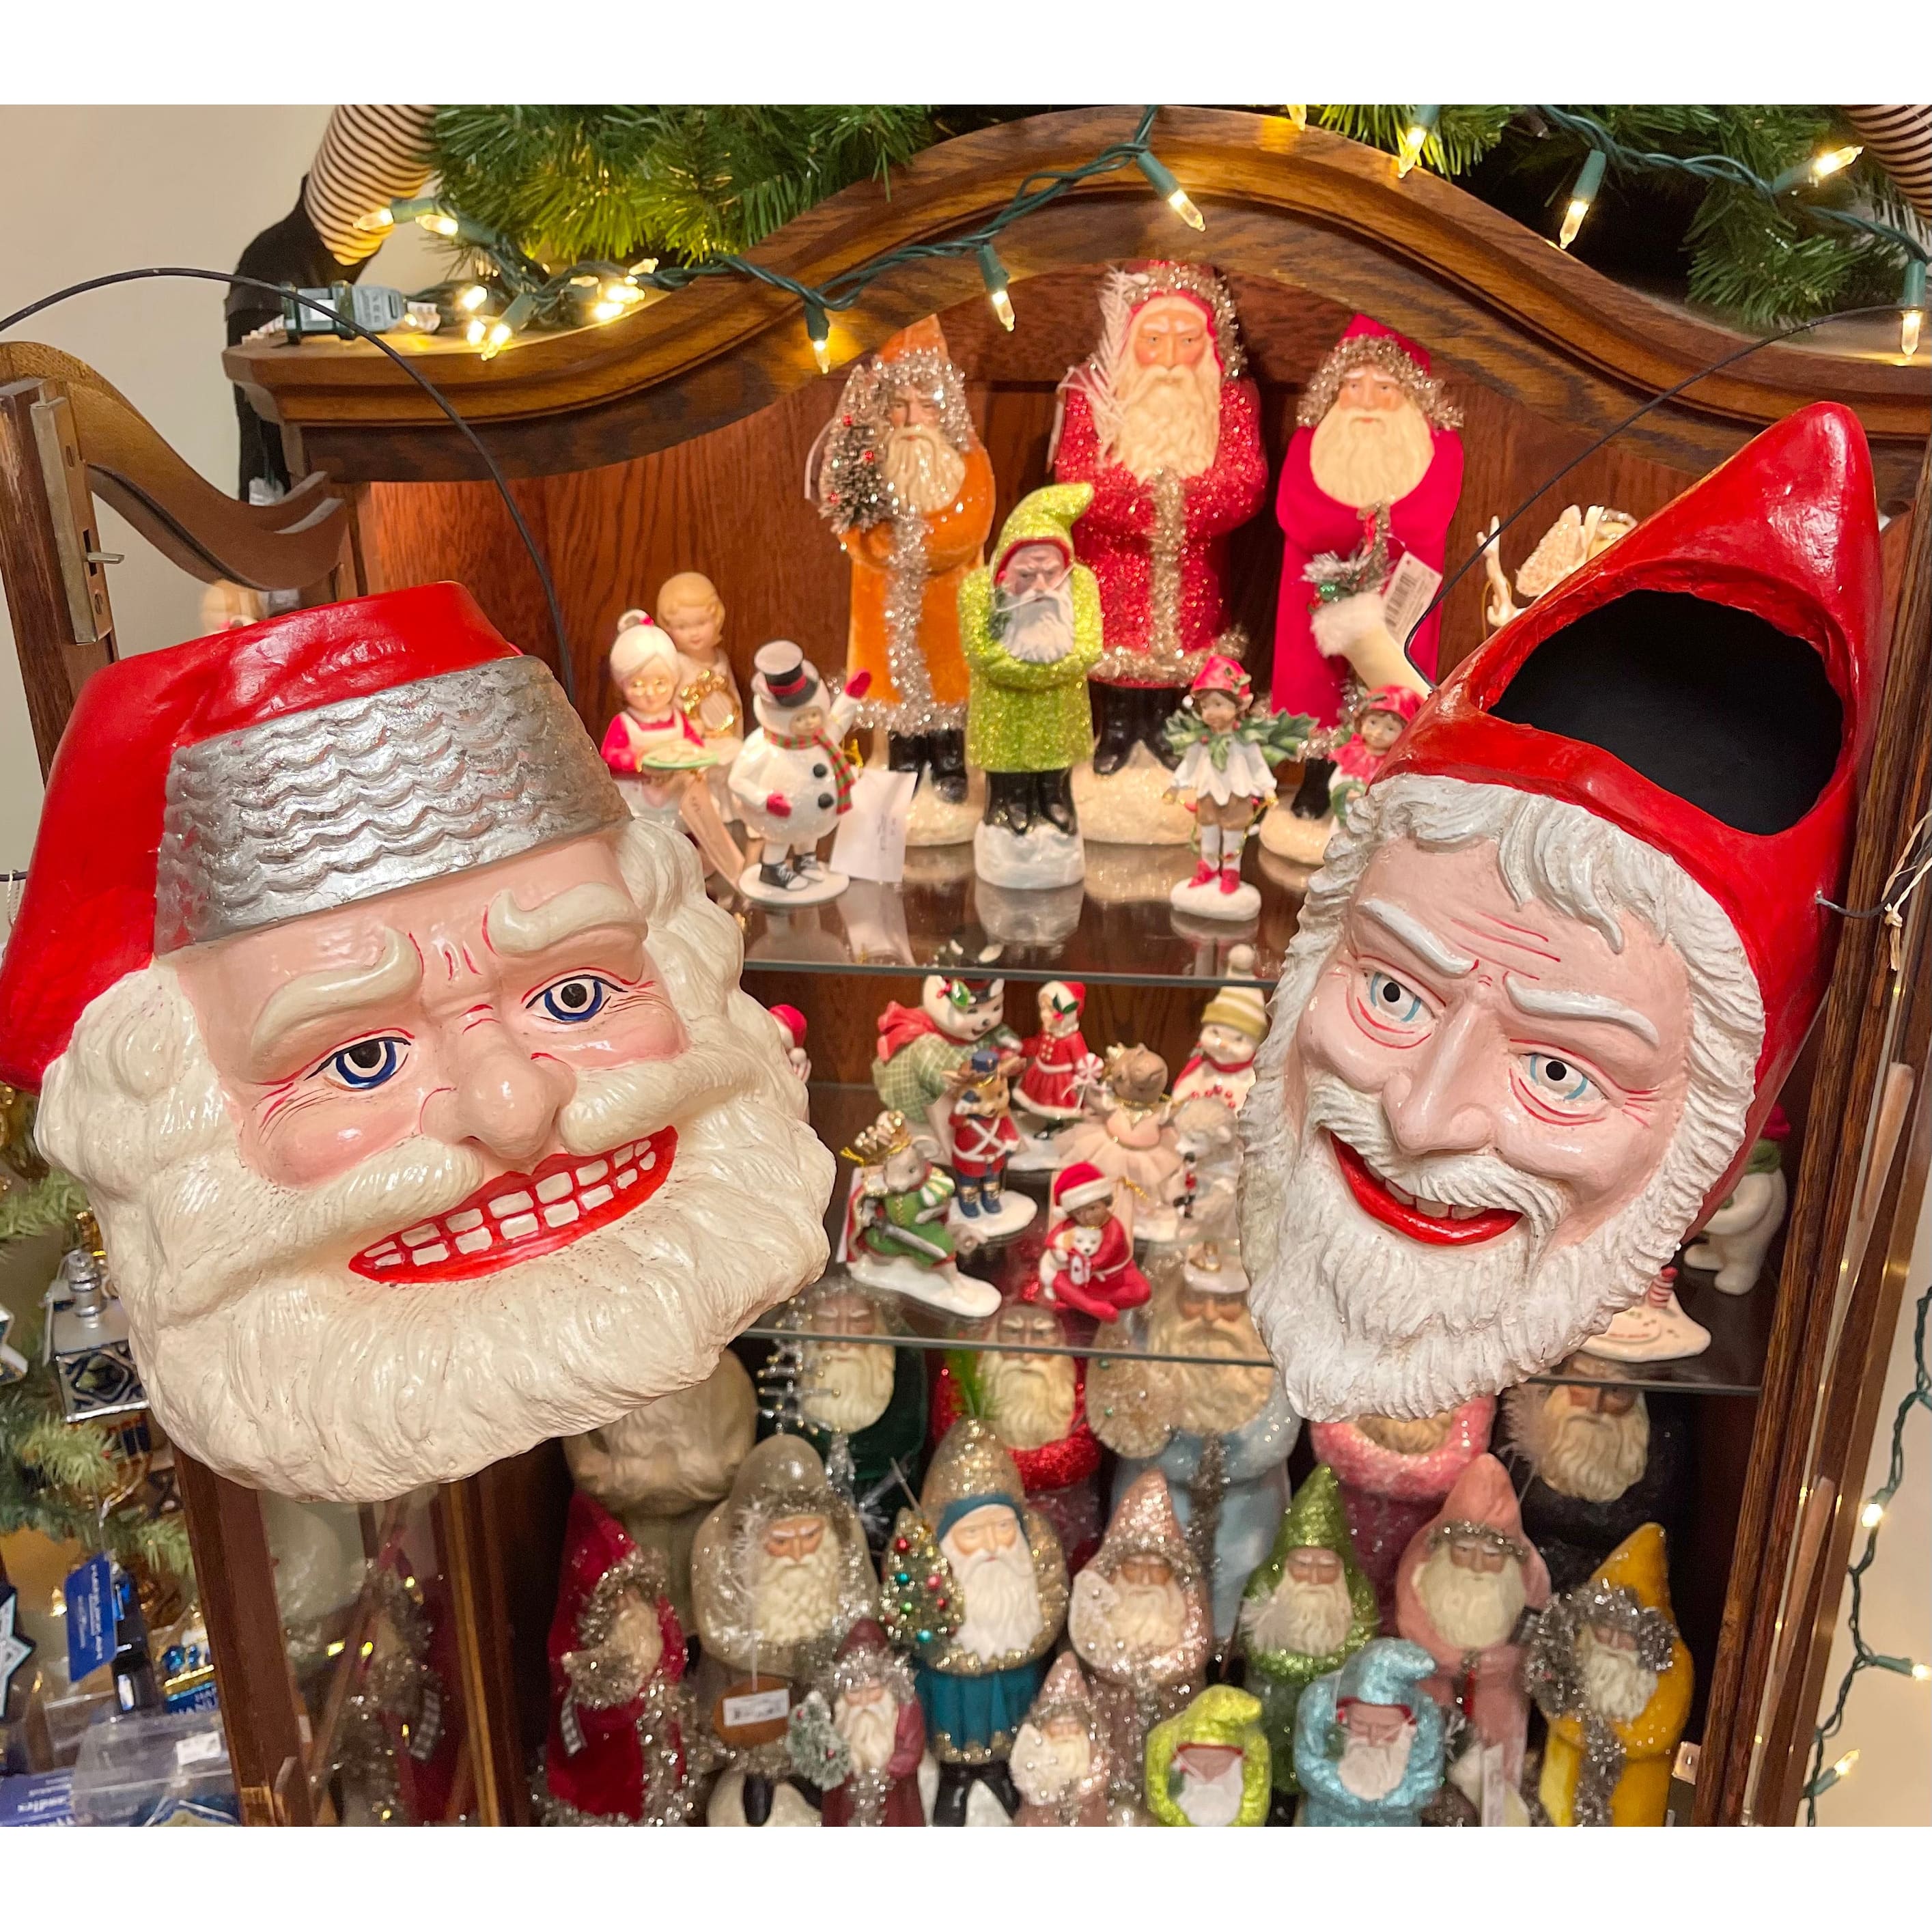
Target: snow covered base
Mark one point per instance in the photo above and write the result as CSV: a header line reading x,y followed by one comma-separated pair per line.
x,y
1209,901
1132,806
1301,841
1039,859
808,889
943,1288
1016,1211
933,821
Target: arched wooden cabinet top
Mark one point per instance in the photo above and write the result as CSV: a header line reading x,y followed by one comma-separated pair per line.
x,y
1306,211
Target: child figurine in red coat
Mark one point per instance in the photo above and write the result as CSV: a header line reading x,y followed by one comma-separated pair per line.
x,y
1088,1262
617,1753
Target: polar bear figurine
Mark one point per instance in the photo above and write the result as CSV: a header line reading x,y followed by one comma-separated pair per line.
x,y
1734,1241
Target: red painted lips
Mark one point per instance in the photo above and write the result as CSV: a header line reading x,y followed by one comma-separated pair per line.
x,y
516,1215
1373,1197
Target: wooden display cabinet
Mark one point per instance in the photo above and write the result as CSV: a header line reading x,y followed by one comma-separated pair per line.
x,y
675,438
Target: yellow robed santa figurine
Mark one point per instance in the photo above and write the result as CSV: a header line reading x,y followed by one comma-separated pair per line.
x,y
1609,1672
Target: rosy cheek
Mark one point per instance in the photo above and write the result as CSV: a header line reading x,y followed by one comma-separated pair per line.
x,y
319,1132
631,1028
1604,1162
1331,1036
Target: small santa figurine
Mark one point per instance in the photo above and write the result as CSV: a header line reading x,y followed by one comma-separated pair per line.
x,y
1226,776
619,1714
793,781
984,1138
1164,424
1222,1065
1088,1261
1369,1739
1208,1765
1376,434
860,1735
1061,1766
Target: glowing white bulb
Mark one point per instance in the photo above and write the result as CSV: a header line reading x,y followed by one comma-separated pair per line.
x,y
1003,307
1834,161
606,311
377,221
1922,1673
473,298
1297,117
474,334
1910,324
821,350
1843,1768
1186,209
1871,1515
499,332
1572,220
437,222
624,294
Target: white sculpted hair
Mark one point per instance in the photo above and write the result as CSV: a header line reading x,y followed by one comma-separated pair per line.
x,y
266,1357
1340,1356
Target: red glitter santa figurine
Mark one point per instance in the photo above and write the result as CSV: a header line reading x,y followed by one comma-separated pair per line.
x,y
1163,424
1088,1261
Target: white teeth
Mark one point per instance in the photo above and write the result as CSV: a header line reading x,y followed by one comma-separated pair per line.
x,y
620,1155
386,1252
648,1159
470,1217
518,1226
1464,1214
510,1204
422,1257
387,1261
562,1214
1401,1194
596,1197
554,1187
473,1243
628,1178
414,1237
1440,1209
595,1171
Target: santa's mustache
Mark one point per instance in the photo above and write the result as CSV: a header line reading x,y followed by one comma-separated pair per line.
x,y
1479,1180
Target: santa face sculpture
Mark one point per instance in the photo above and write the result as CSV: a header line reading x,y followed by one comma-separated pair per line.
x,y
1376,435
410,1081
1547,983
1163,425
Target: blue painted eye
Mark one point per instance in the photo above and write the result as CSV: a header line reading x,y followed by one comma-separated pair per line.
x,y
1390,1000
1560,1081
369,1063
573,1000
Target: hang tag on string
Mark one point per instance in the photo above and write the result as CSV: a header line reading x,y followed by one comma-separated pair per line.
x,y
871,841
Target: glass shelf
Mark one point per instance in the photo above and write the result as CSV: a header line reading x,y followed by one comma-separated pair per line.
x,y
1733,1365
1117,927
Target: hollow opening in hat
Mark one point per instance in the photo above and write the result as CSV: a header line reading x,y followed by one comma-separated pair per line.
x,y
1711,702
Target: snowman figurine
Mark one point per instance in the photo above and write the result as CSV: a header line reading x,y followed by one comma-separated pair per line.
x,y
792,781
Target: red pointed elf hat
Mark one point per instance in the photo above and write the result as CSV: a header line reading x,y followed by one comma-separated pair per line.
x,y
407,738
1709,684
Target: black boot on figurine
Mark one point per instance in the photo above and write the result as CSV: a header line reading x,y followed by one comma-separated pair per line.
x,y
1114,716
947,752
904,753
1008,803
1311,801
999,1780
757,1799
1157,703
955,1786
1053,796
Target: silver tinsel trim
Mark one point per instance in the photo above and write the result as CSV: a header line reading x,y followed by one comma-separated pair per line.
x,y
1121,666
1383,352
1136,287
915,711
1170,528
599,1675
1486,1534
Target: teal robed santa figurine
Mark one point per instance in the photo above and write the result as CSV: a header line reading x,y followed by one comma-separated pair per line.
x,y
974,1585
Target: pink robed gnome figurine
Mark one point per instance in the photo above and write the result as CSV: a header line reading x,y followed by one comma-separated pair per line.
x,y
619,1714
1164,425
1464,1587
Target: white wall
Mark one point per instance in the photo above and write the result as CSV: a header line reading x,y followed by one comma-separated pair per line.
x,y
85,191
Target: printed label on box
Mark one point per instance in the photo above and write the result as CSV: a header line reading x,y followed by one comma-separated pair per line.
x,y
89,1592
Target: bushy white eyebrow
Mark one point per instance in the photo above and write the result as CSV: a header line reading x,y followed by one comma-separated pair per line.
x,y
515,930
1420,939
1553,1002
336,989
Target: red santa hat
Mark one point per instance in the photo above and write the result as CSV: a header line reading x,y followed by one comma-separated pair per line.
x,y
1065,996
1366,343
1708,685
1130,287
1223,673
421,742
792,1020
595,1543
1079,1185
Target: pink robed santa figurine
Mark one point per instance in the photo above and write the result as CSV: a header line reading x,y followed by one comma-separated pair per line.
x,y
1163,424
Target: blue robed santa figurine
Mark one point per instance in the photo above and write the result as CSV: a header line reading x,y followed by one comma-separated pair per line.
x,y
1368,1738
974,1585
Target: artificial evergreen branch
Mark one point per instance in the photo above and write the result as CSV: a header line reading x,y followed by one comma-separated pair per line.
x,y
1460,139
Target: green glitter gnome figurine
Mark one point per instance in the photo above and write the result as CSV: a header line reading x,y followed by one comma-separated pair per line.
x,y
1030,627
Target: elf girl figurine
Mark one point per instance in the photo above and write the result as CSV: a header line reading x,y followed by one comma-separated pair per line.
x,y
1226,778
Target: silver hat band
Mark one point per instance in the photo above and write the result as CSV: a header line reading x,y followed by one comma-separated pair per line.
x,y
325,808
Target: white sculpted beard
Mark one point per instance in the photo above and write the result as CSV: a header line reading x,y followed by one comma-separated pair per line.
x,y
1473,1609
1406,1435
1617,1687
846,1385
1209,1401
1594,1457
1038,627
289,1372
1048,1769
1002,1600
1169,417
867,1730
795,1598
924,469
1145,1618
1030,1404
1373,1770
1215,1800
1365,456
1361,1319
1298,1619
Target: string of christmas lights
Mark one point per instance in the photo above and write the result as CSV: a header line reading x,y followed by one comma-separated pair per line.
x,y
1871,1518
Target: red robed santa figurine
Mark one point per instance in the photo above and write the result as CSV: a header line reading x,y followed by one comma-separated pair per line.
x,y
616,1754
1061,1070
1088,1261
1162,422
1376,432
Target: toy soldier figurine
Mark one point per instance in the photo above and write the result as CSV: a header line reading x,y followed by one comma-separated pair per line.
x,y
896,1235
984,1137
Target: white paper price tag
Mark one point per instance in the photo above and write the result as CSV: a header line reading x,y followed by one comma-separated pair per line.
x,y
758,1707
1410,585
870,840
1494,1785
204,1747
